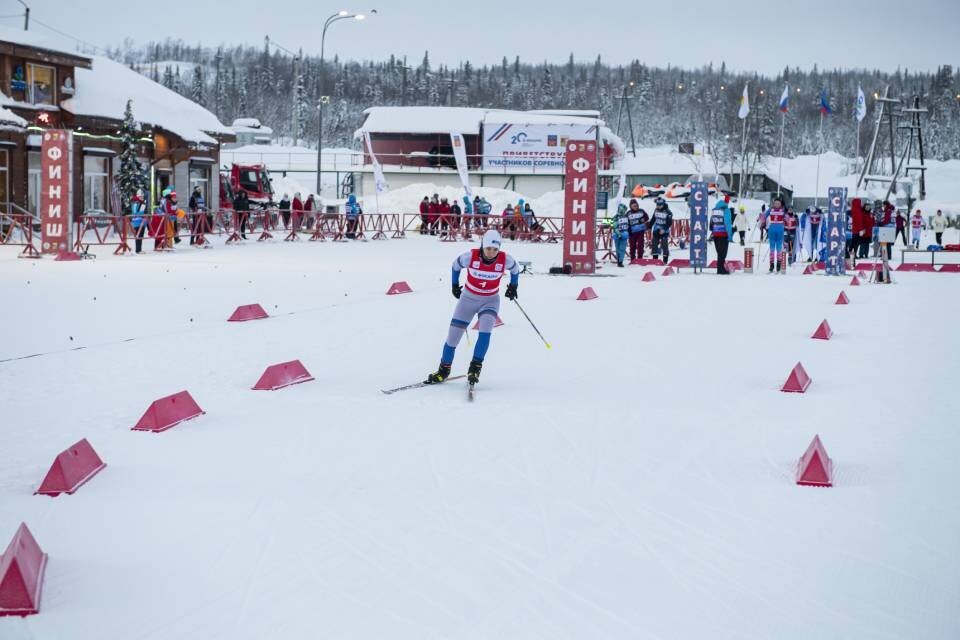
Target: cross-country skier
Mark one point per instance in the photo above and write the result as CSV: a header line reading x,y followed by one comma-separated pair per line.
x,y
790,224
662,222
814,220
774,219
485,266
621,233
916,227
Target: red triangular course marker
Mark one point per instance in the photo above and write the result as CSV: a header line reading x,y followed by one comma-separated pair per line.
x,y
798,381
587,294
21,575
168,412
842,298
668,271
808,270
815,468
823,332
498,323
278,376
861,274
855,282
399,287
248,312
648,277
71,469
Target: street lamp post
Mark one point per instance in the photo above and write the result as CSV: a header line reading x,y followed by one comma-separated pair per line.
x,y
340,15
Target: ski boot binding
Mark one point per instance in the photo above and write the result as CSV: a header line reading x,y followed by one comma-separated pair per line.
x,y
440,375
473,371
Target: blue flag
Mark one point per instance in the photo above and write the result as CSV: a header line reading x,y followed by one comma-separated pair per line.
x,y
825,108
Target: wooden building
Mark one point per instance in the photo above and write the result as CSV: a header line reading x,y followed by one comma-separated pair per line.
x,y
44,84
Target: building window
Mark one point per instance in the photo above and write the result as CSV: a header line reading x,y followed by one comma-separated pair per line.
x,y
200,177
96,174
33,182
41,84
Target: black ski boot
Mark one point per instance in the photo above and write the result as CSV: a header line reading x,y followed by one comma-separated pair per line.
x,y
473,371
441,374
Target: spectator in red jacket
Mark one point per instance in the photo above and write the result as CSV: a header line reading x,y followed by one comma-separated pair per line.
x,y
443,209
424,215
297,208
902,227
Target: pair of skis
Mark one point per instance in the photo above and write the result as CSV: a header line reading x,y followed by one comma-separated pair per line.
x,y
470,388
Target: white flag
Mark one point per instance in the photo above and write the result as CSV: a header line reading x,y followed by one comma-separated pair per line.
x,y
460,155
744,103
377,169
861,108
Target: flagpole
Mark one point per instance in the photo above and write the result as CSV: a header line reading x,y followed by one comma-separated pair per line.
x,y
783,120
857,163
743,149
816,195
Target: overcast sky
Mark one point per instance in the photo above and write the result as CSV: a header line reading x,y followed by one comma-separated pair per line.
x,y
750,35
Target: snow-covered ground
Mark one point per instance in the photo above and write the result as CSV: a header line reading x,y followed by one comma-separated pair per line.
x,y
635,481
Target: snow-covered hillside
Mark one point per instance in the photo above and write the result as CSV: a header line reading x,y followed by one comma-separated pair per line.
x,y
635,481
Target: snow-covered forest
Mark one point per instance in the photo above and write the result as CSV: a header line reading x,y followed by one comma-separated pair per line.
x,y
668,105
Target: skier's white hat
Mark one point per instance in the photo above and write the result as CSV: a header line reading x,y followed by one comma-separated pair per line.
x,y
491,239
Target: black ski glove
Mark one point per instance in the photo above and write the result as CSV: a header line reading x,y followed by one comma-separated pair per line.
x,y
511,292
457,290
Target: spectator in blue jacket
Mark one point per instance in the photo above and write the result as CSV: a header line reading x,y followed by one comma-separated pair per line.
x,y
721,230
621,233
353,212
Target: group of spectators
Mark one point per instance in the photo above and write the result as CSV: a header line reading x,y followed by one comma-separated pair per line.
x,y
438,215
865,219
302,212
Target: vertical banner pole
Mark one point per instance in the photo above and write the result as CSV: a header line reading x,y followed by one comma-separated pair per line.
x,y
836,231
580,206
699,203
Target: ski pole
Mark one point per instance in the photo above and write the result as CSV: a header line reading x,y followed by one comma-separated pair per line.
x,y
531,324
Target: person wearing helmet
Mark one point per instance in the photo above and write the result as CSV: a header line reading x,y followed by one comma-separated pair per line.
x,y
815,218
775,218
478,297
620,233
916,228
662,222
740,222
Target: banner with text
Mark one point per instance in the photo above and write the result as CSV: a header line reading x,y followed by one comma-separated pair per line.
x,y
535,147
699,206
55,191
836,229
460,155
378,176
580,206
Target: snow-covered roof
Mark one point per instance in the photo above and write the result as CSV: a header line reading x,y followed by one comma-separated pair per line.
x,y
585,113
7,116
103,91
421,120
40,40
248,123
466,120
